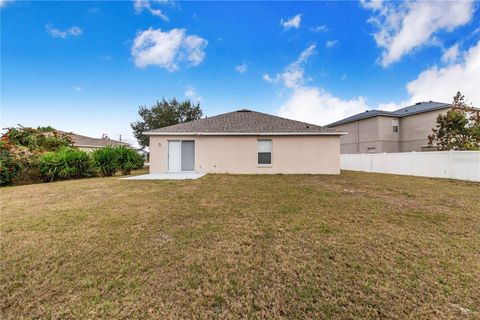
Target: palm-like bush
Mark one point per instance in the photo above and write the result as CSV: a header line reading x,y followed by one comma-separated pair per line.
x,y
67,163
128,159
106,160
71,163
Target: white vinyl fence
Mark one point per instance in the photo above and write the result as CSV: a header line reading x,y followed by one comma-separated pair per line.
x,y
463,165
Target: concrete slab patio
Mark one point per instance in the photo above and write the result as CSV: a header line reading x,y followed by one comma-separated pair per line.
x,y
168,176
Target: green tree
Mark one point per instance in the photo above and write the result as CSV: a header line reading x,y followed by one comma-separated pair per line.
x,y
163,114
458,129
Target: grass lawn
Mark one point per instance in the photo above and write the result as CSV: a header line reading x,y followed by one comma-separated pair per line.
x,y
356,245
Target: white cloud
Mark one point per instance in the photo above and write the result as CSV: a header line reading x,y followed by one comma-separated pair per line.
x,y
306,54
441,84
372,4
267,78
451,54
167,49
293,78
57,33
140,5
318,29
75,31
194,49
242,68
94,10
192,94
308,103
331,43
404,26
292,22
3,3
293,75
315,105
78,89
105,57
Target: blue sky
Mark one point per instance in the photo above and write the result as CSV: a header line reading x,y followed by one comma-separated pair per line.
x,y
87,66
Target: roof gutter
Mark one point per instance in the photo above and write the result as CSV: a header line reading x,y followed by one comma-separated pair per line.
x,y
339,133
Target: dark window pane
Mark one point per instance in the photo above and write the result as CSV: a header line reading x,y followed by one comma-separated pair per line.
x,y
264,158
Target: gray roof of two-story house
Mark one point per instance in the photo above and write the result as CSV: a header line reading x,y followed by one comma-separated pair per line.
x,y
419,107
402,130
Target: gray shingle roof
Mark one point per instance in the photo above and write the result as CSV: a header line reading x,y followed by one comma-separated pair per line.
x,y
403,112
84,141
244,122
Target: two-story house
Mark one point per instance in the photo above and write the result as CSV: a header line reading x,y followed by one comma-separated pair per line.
x,y
403,130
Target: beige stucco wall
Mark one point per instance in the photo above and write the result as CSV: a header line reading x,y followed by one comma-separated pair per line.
x,y
376,132
238,154
88,149
351,138
415,129
363,147
385,129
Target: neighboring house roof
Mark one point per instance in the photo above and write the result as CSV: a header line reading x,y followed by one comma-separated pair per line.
x,y
244,122
89,142
419,107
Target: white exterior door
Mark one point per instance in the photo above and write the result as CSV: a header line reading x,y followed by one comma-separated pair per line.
x,y
174,156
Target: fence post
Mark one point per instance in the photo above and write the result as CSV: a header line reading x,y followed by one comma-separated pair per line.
x,y
478,166
450,164
412,163
383,162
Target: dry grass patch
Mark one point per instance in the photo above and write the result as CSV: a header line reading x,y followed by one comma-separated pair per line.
x,y
351,246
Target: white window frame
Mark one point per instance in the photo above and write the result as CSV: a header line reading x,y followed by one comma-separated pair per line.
x,y
271,153
181,155
395,123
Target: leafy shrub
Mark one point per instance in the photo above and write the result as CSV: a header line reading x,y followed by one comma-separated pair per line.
x,y
28,160
9,166
128,159
66,163
106,159
42,138
22,148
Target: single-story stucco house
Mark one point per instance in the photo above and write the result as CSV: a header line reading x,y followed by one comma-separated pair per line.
x,y
91,144
245,142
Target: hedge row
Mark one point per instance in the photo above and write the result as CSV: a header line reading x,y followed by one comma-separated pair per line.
x,y
72,163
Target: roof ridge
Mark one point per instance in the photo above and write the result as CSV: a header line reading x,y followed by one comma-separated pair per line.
x,y
271,115
240,121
